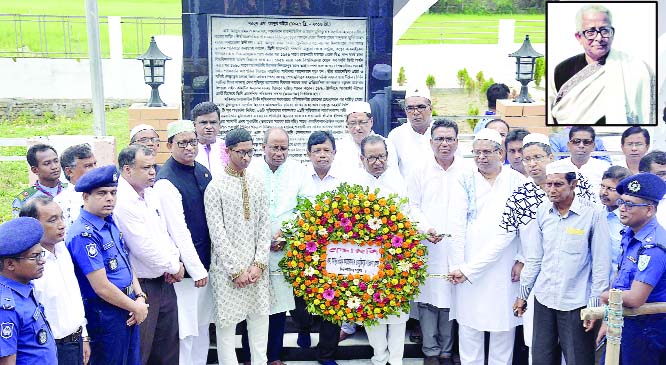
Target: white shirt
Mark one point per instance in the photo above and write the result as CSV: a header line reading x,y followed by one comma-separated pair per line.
x,y
70,201
152,251
315,186
661,213
171,204
215,158
348,155
428,188
58,291
410,147
593,170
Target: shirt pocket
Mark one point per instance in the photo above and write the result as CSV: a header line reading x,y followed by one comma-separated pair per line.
x,y
574,241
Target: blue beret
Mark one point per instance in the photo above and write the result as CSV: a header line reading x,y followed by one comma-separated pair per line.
x,y
18,235
104,176
644,185
381,71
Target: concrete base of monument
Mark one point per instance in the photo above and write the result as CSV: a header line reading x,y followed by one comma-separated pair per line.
x,y
355,350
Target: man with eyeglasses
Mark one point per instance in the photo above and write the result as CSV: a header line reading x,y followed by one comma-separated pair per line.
x,y
153,253
635,142
212,150
284,182
239,219
75,161
112,297
655,163
429,189
478,198
608,196
58,289
359,122
180,187
581,145
601,86
567,267
642,270
145,134
25,335
411,140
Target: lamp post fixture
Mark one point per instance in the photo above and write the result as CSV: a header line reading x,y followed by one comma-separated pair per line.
x,y
525,59
153,71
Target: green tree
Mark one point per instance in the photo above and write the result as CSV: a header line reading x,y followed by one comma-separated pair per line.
x,y
462,77
402,79
539,70
480,79
430,81
486,84
472,110
470,85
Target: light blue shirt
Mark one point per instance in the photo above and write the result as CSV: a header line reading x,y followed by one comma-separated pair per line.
x,y
614,228
568,264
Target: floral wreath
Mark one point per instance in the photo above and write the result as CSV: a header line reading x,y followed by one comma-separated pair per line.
x,y
352,214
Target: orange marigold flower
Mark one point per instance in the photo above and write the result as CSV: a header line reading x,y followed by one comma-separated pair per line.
x,y
408,224
372,197
382,202
399,216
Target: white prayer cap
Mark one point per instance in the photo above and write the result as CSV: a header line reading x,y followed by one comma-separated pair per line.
x,y
357,107
536,137
139,128
418,91
559,168
179,126
490,135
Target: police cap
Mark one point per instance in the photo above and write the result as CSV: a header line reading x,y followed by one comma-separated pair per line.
x,y
644,185
100,177
18,235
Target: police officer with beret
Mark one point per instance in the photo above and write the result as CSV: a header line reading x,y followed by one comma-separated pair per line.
x,y
112,297
642,269
25,335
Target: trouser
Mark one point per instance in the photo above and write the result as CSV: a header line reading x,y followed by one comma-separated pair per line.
x,y
159,332
436,329
471,346
257,328
388,343
328,332
349,328
70,353
555,329
643,340
194,318
276,323
112,341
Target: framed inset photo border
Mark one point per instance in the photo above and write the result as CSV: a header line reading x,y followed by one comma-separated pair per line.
x,y
609,79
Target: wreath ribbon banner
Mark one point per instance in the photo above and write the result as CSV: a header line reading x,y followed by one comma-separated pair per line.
x,y
353,255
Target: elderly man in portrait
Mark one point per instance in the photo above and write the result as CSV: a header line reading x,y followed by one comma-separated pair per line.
x,y
600,85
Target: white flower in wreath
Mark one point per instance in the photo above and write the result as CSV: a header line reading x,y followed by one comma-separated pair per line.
x,y
315,258
353,302
370,291
309,271
391,251
356,281
374,223
403,266
322,231
345,236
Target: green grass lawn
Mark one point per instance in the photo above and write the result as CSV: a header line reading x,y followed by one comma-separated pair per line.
x,y
14,175
471,29
69,38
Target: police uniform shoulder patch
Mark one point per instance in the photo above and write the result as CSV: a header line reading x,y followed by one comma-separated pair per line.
x,y
26,193
91,249
6,330
643,261
6,298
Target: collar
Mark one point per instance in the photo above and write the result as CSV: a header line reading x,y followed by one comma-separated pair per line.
x,y
646,234
181,166
576,207
23,289
127,189
615,212
94,220
330,174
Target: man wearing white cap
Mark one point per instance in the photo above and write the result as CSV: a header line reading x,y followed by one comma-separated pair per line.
x,y
480,196
567,266
411,140
180,187
429,188
145,134
520,208
359,122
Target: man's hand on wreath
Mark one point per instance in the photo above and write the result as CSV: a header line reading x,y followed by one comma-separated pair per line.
x,y
432,236
278,242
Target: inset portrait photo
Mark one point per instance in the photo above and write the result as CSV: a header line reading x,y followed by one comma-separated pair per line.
x,y
601,62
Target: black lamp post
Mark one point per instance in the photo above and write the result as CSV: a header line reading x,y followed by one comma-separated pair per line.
x,y
153,71
525,59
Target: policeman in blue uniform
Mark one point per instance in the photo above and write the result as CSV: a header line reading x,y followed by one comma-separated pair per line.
x,y
25,335
642,269
112,296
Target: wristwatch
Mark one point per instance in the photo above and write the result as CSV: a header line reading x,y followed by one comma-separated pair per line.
x,y
142,295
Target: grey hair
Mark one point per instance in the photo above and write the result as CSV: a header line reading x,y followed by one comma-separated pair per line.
x,y
592,8
268,132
